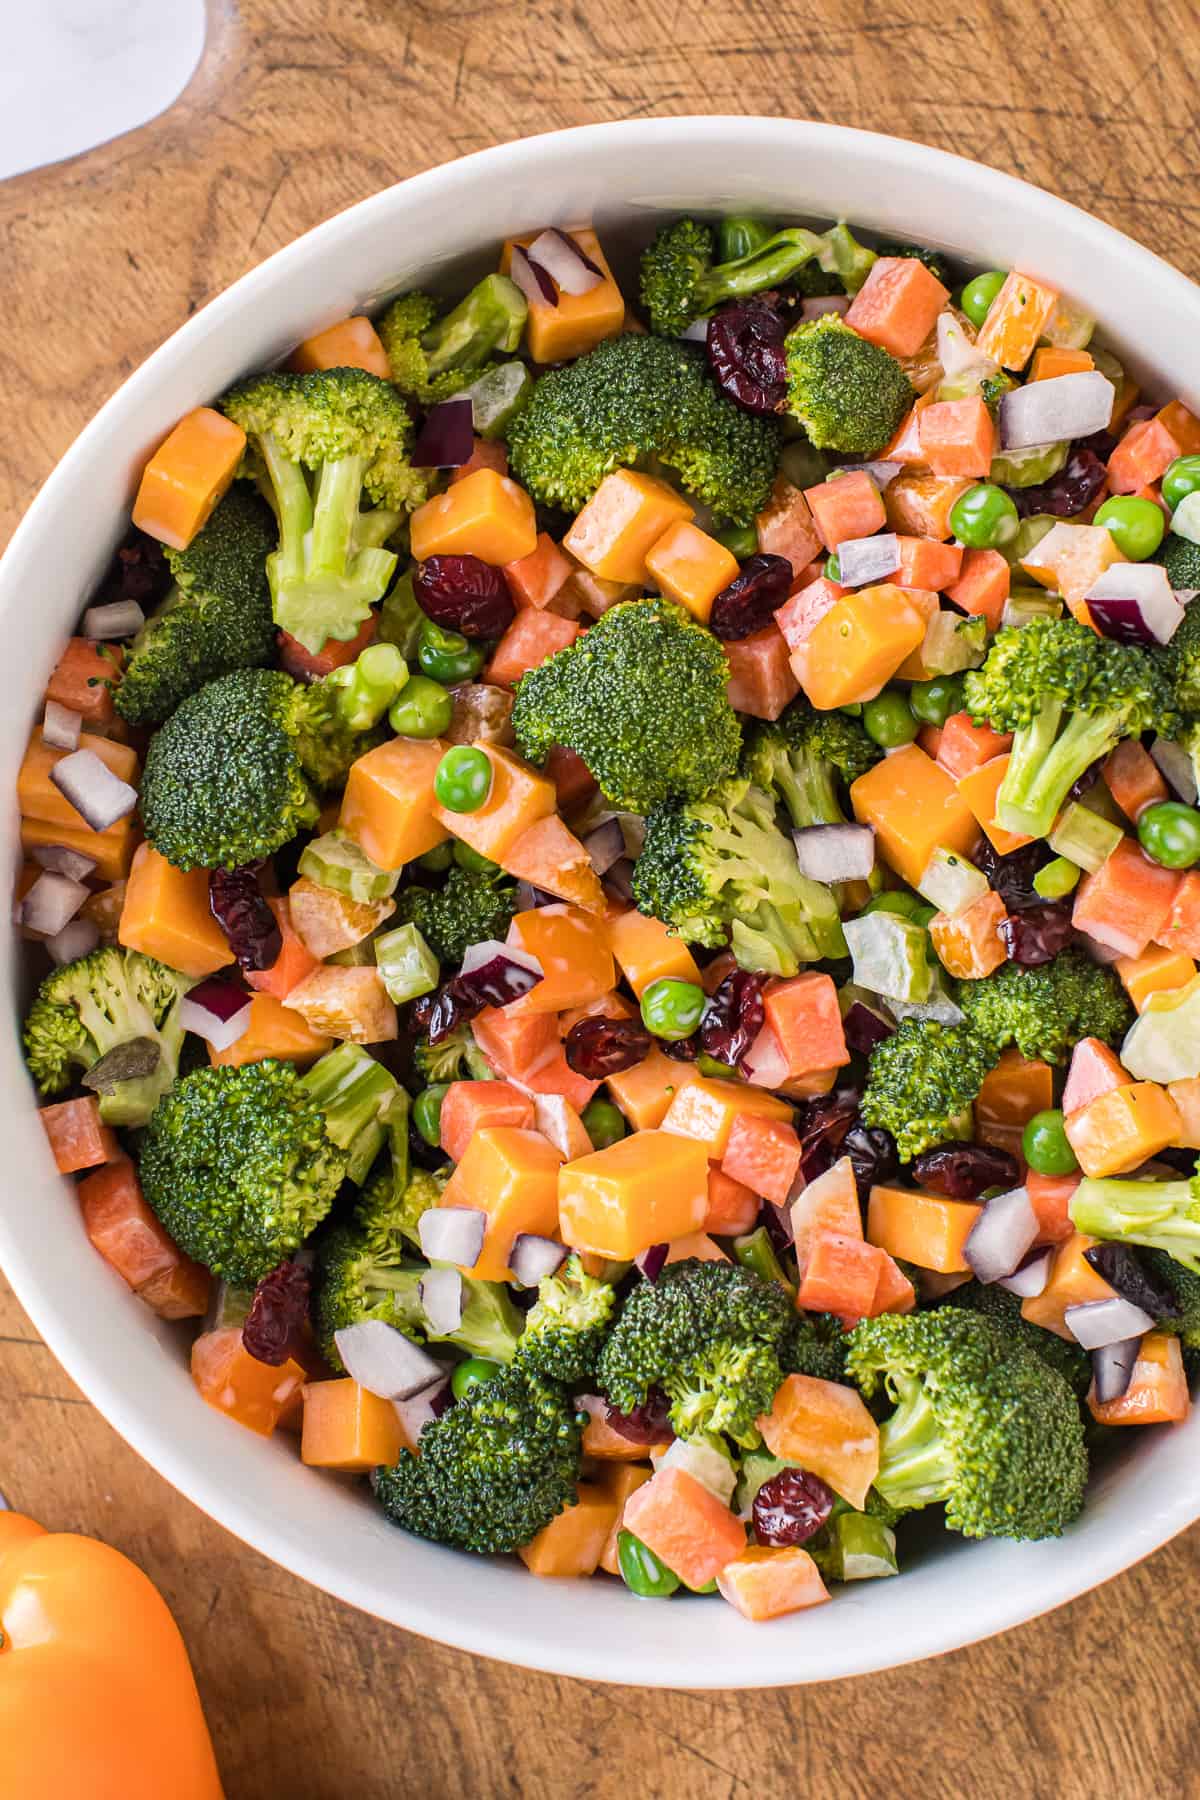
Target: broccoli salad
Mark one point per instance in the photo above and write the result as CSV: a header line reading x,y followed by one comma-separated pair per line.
x,y
619,883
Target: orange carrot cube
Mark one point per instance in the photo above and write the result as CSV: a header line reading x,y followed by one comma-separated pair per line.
x,y
122,1227
294,961
1132,777
1094,1070
190,471
1127,901
846,506
1143,456
81,678
689,566
825,1427
1158,1391
841,1275
803,1012
958,437
76,1136
761,681
485,454
769,1581
804,609
1181,929
786,527
1186,1096
256,1394
471,1106
350,344
927,563
552,858
538,579
531,638
685,1526
983,586
763,1154
1011,1094
1050,1198
1052,360
604,1444
705,1110
965,747
970,947
898,304
732,1206
573,782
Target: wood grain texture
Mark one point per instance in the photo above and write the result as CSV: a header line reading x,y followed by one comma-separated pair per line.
x,y
300,108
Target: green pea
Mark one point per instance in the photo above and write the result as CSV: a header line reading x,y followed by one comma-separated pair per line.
x,y
671,1009
899,900
984,517
1170,833
463,779
466,858
1180,480
1057,879
741,541
447,655
1044,1141
740,236
422,709
1135,526
933,702
976,298
437,860
427,1112
641,1571
604,1123
833,568
472,1374
888,720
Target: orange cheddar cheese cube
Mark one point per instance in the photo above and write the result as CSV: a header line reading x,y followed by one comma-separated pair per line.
x,y
1186,1096
645,1092
111,851
1118,1131
552,858
485,515
849,506
621,523
980,789
918,504
705,1110
1016,319
645,951
1155,971
969,946
388,804
642,1190
166,915
347,1428
897,305
518,798
620,1479
855,647
350,344
577,962
579,321
510,1174
824,1427
689,566
1072,1282
1011,1094
573,1543
767,1581
915,808
926,1229
958,437
188,473
274,1030
685,1525
37,796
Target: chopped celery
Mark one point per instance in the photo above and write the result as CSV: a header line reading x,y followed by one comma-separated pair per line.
x,y
953,643
1083,837
1030,467
1163,1044
891,956
758,1467
335,861
866,1546
400,618
406,963
497,397
706,1460
1024,604
951,883
756,1252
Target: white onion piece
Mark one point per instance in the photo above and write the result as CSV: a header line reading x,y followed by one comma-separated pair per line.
x,y
531,1257
562,261
115,619
605,845
1185,520
820,304
453,1234
421,1409
1097,1323
51,904
696,332
764,1064
441,1295
1175,767
532,279
867,559
880,472
77,939
561,1125
483,952
1134,603
1029,1278
220,1030
385,1362
1048,412
957,354
89,785
61,727
835,852
63,861
1112,1368
997,1242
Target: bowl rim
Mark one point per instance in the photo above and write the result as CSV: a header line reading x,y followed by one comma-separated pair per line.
x,y
509,1639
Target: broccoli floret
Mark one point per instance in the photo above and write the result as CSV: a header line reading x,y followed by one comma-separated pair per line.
x,y
679,280
387,1217
721,868
115,1004
1180,659
1184,1322
922,1082
1069,696
641,698
982,1426
1181,558
493,1470
708,1334
633,398
456,1057
1045,1010
848,394
471,907
229,777
216,618
567,1324
1162,1215
1004,1310
934,261
353,433
801,757
814,1344
433,358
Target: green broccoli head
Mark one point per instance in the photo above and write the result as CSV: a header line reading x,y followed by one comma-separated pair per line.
x,y
934,260
1004,1310
981,1426
804,756
922,1082
1181,558
492,1470
1046,1009
641,698
1162,1215
357,1280
708,1334
456,1057
720,868
1180,659
633,398
388,1218
849,395
472,906
814,1344
433,358
112,1004
1069,696
680,281
567,1324
216,618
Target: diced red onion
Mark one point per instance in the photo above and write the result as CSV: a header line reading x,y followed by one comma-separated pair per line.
x,y
531,1257
1175,767
561,1125
115,619
453,1234
867,559
77,939
63,861
447,438
61,727
563,260
764,1064
441,1295
89,785
835,852
864,1027
489,948
216,1011
421,1409
696,332
1133,602
495,974
1112,1368
653,1261
1098,1323
997,1242
385,1362
1029,1278
51,904
605,845
532,279
1054,411
820,304
619,880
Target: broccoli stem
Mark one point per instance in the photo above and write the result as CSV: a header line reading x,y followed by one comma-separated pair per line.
x,y
1163,1215
329,569
1046,764
293,503
806,787
914,1470
366,687
772,263
351,1090
490,318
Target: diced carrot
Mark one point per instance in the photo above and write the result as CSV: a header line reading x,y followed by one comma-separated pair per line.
x,y
894,1291
530,639
347,1428
577,322
1183,426
485,454
826,1428
1094,1070
122,1227
487,515
37,796
918,504
167,915
601,1441
966,747
786,528
620,1479
958,437
645,1092
471,1106
970,947
769,1581
553,859
705,1110
930,739
388,804
1143,456
577,961
254,1393
1118,1131
574,784
642,1190
292,964
689,566
1016,319
511,1175
804,609
1182,927
181,1292
803,1012
350,344
685,1525
905,446
335,653
556,1077
621,523
1072,1282
841,1275
573,1543
898,304
983,586
1155,971
761,681
1011,1094
915,809
275,1031
845,506
1127,902
1052,360
732,1206
515,1045
828,1204
927,563
857,646
763,1154
188,473
1050,1198
76,1137
926,1229
81,677
645,951
537,579
1186,1096
1132,777
1158,1390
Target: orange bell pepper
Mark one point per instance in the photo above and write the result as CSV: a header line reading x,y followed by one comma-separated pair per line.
x,y
97,1695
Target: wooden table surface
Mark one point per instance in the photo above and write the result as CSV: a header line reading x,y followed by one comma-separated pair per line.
x,y
301,107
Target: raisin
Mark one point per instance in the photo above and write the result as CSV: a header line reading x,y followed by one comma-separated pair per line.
x,y
791,1507
746,355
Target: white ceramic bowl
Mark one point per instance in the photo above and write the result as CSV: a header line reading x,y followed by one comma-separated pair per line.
x,y
134,1370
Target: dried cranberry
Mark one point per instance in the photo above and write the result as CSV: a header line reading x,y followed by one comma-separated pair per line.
x,y
464,594
278,1313
733,1017
240,908
746,355
1087,780
873,1156
1070,491
139,571
752,598
1012,876
649,1423
1126,1273
822,1124
598,1048
496,982
681,1049
791,1507
964,1171
1036,935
